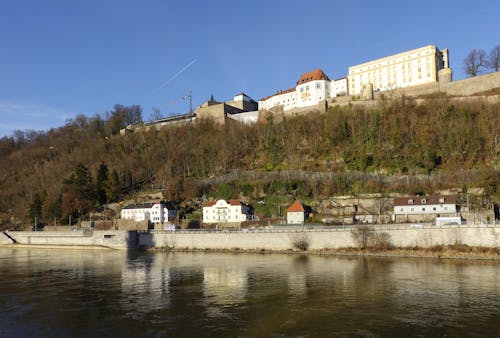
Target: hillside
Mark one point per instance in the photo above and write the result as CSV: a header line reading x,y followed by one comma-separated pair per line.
x,y
75,169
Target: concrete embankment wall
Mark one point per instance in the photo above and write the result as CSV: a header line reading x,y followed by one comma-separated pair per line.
x,y
4,239
107,239
320,239
486,236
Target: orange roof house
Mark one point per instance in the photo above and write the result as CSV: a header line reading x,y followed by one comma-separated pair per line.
x,y
296,213
314,75
296,207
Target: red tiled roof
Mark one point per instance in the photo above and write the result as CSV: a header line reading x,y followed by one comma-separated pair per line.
x,y
296,207
234,202
314,75
419,200
278,93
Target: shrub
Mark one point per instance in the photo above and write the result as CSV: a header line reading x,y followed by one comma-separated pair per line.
x,y
300,241
366,237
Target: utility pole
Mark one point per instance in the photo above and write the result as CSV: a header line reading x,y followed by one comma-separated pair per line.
x,y
190,98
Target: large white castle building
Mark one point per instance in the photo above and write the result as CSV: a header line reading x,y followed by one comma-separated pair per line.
x,y
410,68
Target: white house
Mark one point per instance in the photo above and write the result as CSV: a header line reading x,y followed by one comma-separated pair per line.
x,y
312,88
286,99
406,69
430,206
296,213
339,87
154,212
231,211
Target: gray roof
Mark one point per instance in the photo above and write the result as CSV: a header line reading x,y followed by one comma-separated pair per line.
x,y
140,206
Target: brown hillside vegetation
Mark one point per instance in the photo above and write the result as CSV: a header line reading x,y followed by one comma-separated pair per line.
x,y
74,169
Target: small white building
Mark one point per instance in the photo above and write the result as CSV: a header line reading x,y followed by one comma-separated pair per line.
x,y
231,211
338,87
296,213
154,212
406,208
454,220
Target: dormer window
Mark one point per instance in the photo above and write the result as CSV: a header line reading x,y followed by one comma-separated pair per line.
x,y
423,201
441,200
410,201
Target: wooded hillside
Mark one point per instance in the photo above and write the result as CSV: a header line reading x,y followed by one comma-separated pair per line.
x,y
76,168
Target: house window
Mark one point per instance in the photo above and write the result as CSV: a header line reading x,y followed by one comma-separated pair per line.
x,y
423,209
434,209
318,85
401,209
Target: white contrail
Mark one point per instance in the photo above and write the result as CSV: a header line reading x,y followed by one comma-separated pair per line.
x,y
177,74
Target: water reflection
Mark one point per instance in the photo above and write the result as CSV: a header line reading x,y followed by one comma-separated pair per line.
x,y
54,293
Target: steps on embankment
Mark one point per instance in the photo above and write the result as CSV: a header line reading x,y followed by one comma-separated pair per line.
x,y
5,238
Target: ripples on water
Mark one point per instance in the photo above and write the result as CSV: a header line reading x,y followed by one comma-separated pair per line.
x,y
55,293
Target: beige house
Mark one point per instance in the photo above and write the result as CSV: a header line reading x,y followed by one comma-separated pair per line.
x,y
218,111
231,211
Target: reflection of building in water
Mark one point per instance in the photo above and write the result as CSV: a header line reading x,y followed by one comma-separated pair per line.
x,y
297,284
445,285
145,287
225,285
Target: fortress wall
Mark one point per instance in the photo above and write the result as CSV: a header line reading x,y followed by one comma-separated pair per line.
x,y
473,85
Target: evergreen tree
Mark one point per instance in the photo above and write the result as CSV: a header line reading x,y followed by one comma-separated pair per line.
x,y
102,182
114,188
79,194
36,207
52,210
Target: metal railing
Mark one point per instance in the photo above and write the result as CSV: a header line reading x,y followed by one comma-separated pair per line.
x,y
324,228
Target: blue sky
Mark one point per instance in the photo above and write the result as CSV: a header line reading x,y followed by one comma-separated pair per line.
x,y
61,58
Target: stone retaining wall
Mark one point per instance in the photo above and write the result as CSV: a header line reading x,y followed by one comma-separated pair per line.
x,y
404,236
424,237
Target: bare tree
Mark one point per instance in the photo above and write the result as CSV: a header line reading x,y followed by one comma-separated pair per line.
x,y
474,62
155,114
494,59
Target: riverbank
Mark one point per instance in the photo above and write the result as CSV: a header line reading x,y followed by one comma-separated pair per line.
x,y
478,242
442,252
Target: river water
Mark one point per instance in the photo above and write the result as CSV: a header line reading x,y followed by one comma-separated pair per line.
x,y
66,293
